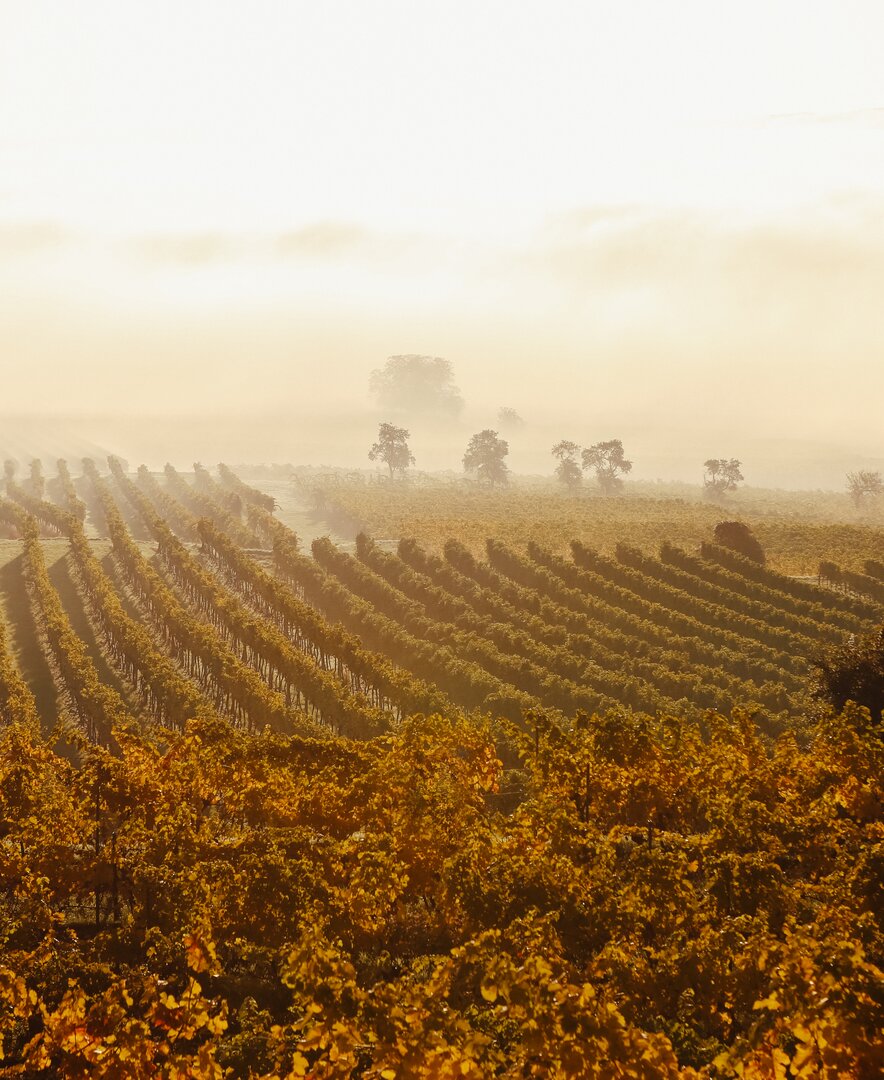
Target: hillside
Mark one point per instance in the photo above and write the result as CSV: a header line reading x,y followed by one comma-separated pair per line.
x,y
508,808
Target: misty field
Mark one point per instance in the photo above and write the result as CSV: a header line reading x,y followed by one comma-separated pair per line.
x,y
519,785
441,540
796,529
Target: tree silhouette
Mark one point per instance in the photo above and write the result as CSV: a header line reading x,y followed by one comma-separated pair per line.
x,y
485,456
508,417
392,448
721,475
609,463
412,382
863,483
568,468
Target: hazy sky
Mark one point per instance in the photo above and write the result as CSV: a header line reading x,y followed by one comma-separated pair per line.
x,y
619,210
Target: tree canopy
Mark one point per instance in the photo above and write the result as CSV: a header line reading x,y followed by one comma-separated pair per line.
x,y
721,475
485,456
392,448
610,464
508,417
415,383
568,468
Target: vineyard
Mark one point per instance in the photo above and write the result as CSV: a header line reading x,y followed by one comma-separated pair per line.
x,y
796,529
478,798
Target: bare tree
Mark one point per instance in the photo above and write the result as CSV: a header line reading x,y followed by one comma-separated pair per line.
x,y
862,484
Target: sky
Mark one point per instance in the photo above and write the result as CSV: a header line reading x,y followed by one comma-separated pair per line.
x,y
664,218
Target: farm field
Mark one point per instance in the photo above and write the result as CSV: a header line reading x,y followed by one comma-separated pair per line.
x,y
506,785
796,529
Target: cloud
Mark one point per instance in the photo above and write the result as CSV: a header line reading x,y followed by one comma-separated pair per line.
x,y
787,293
588,217
836,244
30,237
323,239
626,249
185,249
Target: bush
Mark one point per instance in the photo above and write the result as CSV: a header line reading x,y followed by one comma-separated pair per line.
x,y
854,672
740,538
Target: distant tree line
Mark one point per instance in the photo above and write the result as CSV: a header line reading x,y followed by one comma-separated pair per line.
x,y
606,459
413,382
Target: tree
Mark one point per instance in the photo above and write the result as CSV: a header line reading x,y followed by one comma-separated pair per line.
x,y
417,383
485,456
862,483
508,417
38,481
608,461
854,672
568,469
721,475
392,448
740,538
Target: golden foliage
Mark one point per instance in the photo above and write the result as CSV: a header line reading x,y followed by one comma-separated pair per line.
x,y
616,897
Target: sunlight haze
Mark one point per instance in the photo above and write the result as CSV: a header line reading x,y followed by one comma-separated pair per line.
x,y
652,218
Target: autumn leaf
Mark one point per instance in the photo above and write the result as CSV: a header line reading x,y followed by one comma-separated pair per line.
x,y
300,1064
200,953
